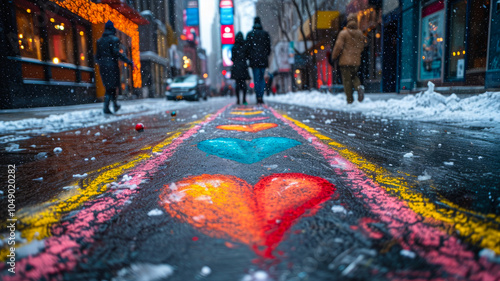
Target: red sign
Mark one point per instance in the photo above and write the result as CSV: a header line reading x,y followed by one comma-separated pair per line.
x,y
227,34
226,4
190,32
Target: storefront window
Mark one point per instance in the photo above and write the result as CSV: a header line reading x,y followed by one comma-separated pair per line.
x,y
28,33
60,33
478,33
82,35
432,41
456,49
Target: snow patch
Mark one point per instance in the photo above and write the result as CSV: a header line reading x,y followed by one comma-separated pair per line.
x,y
257,276
424,177
115,185
406,253
30,249
339,209
144,272
205,271
424,106
155,212
13,147
408,155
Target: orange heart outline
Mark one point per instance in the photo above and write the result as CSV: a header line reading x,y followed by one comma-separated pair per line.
x,y
252,128
225,206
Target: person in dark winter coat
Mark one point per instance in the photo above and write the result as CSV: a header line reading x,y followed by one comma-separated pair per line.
x,y
259,49
107,56
239,71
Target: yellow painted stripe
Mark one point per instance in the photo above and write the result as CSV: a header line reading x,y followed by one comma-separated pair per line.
x,y
246,113
467,223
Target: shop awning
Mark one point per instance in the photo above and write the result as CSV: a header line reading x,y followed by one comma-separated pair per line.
x,y
126,10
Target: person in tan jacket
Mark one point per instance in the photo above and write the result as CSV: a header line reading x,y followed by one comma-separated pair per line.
x,y
350,43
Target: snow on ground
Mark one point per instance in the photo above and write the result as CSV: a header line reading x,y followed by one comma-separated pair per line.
x,y
480,110
83,117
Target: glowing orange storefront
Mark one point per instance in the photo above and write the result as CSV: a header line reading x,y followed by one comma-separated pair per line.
x,y
98,14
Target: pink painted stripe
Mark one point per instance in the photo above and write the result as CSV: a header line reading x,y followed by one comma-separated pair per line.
x,y
62,252
436,246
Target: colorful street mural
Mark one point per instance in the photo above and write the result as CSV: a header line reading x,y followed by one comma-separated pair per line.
x,y
258,214
246,152
248,119
228,207
247,112
252,128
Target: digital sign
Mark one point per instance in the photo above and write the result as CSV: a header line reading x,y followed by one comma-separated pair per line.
x,y
226,4
227,55
192,17
226,16
227,34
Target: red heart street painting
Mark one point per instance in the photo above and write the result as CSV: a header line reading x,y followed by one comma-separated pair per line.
x,y
228,207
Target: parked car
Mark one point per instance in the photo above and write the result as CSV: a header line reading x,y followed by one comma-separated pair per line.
x,y
187,87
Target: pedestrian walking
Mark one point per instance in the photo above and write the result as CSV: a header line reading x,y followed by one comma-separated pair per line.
x,y
259,49
239,71
107,56
348,48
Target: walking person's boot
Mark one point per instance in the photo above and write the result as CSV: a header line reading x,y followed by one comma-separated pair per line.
x,y
361,93
116,106
107,98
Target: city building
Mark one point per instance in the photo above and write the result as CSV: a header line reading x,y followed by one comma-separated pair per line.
x,y
453,44
155,66
49,49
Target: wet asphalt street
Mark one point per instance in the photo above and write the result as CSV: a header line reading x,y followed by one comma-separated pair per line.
x,y
274,192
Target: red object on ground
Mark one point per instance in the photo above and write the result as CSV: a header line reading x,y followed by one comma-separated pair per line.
x,y
139,127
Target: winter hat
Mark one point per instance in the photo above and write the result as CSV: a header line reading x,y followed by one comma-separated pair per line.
x,y
352,17
110,26
239,37
352,21
256,23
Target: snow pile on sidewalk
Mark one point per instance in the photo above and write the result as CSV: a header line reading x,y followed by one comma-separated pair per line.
x,y
480,110
85,118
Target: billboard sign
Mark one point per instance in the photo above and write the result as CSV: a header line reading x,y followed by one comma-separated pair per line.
x,y
227,34
226,4
227,55
282,54
192,17
226,16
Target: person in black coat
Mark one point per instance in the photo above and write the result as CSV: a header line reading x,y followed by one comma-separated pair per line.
x,y
259,48
107,56
239,71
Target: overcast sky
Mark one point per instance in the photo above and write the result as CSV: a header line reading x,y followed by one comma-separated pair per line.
x,y
245,10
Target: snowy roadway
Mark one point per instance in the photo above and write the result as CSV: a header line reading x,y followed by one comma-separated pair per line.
x,y
303,188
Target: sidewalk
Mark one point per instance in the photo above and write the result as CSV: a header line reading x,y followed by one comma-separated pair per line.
x,y
42,112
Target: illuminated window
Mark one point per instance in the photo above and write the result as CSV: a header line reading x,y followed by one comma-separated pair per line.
x,y
456,62
28,33
82,45
61,40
